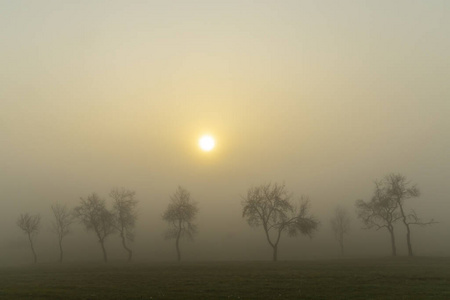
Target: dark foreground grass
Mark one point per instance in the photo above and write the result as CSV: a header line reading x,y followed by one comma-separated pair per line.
x,y
400,278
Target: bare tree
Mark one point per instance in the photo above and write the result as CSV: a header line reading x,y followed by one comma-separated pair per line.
x,y
380,212
340,223
400,189
92,212
125,215
30,224
180,215
61,224
270,206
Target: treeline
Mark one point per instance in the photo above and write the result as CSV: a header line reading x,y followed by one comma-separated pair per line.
x,y
121,218
268,206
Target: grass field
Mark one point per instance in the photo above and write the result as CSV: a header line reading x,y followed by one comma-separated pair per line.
x,y
387,278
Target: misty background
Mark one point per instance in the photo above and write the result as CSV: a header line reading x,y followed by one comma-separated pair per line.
x,y
323,96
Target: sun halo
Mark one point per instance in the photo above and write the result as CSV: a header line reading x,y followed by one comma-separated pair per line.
x,y
206,143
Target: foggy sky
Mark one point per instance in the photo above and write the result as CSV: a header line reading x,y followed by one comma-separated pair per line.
x,y
324,96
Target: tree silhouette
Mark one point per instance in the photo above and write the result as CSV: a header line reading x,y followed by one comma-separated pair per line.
x,y
399,189
30,224
270,206
61,224
180,215
380,212
340,223
124,213
92,212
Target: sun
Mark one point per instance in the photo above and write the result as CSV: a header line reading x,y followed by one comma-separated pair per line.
x,y
206,143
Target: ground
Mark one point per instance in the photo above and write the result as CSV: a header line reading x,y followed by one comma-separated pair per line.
x,y
380,278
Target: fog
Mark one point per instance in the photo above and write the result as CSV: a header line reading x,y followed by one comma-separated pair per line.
x,y
324,97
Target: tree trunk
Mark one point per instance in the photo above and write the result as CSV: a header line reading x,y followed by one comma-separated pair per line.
x,y
60,251
275,253
273,245
177,245
408,240
105,257
408,231
124,244
32,248
341,243
394,249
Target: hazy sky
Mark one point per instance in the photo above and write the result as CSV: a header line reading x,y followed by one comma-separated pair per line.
x,y
325,96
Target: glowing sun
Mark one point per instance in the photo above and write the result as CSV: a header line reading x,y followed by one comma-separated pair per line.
x,y
206,143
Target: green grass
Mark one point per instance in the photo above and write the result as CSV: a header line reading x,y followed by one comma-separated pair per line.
x,y
388,278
